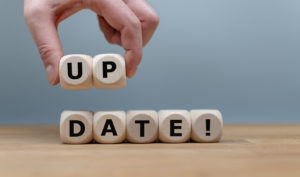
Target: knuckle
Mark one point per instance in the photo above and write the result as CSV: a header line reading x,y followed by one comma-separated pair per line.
x,y
31,11
152,19
46,52
135,23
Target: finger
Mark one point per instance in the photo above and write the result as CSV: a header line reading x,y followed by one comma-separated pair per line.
x,y
44,32
121,18
148,17
112,36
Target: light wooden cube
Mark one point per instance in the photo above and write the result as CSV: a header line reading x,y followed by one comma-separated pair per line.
x,y
76,127
174,126
109,126
75,72
109,71
142,126
207,125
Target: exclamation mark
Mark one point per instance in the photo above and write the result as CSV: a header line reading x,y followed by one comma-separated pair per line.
x,y
207,127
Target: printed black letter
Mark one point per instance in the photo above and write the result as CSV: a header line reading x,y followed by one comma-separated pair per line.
x,y
70,74
81,131
112,129
105,67
142,126
173,127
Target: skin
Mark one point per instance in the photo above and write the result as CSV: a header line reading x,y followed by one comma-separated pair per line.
x,y
128,23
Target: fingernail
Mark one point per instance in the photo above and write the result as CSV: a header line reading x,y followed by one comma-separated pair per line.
x,y
50,74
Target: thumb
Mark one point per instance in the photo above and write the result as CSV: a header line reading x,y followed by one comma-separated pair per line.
x,y
44,33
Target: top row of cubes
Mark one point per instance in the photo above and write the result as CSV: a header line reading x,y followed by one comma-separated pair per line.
x,y
82,72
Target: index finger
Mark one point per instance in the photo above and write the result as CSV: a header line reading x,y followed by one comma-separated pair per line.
x,y
120,17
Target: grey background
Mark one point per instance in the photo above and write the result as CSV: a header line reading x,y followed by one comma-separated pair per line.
x,y
239,56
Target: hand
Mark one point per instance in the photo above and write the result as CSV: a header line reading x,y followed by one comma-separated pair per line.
x,y
128,23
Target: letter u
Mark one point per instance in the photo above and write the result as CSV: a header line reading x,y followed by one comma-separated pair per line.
x,y
70,73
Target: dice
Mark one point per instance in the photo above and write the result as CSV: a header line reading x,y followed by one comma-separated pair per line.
x,y
174,126
109,71
109,126
82,72
75,72
141,126
76,127
206,125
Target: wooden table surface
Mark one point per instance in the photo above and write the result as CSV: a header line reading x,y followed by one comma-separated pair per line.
x,y
245,150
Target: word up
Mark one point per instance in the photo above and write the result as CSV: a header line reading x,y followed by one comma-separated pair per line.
x,y
80,72
141,126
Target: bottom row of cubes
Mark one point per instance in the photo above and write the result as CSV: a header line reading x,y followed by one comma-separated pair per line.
x,y
141,126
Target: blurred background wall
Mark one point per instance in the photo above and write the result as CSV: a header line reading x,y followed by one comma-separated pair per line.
x,y
239,56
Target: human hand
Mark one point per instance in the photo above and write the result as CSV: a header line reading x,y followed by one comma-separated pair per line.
x,y
128,23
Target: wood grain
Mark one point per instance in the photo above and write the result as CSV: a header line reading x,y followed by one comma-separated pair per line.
x,y
245,150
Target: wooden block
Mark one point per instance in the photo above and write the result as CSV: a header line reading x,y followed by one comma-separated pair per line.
x,y
207,125
109,71
76,127
109,126
75,72
142,126
174,126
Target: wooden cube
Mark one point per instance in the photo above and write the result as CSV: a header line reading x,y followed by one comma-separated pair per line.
x,y
109,71
75,72
174,126
142,126
109,126
207,125
76,127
